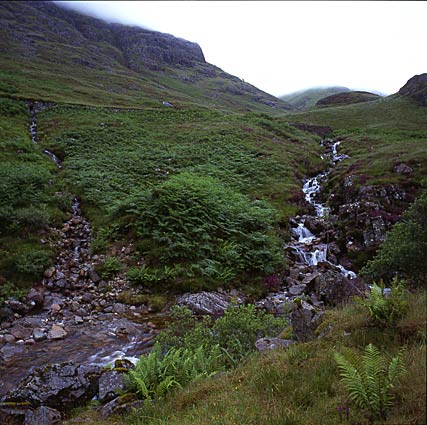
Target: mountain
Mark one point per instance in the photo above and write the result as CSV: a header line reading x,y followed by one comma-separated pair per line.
x,y
55,54
416,88
305,99
347,98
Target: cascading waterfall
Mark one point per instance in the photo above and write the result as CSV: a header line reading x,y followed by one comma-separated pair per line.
x,y
307,247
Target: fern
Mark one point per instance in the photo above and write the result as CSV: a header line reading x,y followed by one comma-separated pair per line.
x,y
158,374
368,381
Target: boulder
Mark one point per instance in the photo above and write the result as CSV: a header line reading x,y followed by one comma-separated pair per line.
x,y
265,344
305,319
111,383
213,303
42,416
403,169
297,289
120,406
57,332
333,288
60,386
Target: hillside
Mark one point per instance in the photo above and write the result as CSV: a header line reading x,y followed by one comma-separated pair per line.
x,y
305,99
53,54
348,98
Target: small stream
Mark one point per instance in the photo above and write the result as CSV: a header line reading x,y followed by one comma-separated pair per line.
x,y
309,248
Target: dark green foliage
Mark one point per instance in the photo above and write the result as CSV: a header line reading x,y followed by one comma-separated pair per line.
x,y
195,227
33,262
404,247
158,374
369,380
235,332
109,268
386,309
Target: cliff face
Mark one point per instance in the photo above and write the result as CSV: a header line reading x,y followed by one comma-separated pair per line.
x,y
42,36
416,87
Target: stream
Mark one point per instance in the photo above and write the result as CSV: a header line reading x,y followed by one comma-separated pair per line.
x,y
309,249
77,316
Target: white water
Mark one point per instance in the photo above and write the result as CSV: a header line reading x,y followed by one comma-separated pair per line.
x,y
306,240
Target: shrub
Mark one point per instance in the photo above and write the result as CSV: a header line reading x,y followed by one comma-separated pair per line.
x,y
157,374
369,380
213,232
235,332
386,309
405,245
109,268
33,263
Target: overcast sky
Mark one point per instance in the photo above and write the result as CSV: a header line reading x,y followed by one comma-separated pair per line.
x,y
285,46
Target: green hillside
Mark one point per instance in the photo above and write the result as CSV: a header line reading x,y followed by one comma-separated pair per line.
x,y
305,99
51,54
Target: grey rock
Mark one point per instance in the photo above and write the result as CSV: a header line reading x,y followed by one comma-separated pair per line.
x,y
305,319
110,384
60,386
403,169
42,416
20,332
265,344
297,289
39,334
212,303
120,406
57,332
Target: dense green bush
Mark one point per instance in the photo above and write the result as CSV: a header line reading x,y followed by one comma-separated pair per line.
x,y
404,247
158,374
109,268
194,227
33,263
235,332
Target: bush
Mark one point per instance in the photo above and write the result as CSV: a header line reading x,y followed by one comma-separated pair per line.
x,y
368,380
386,309
158,374
235,332
404,247
109,268
215,234
33,263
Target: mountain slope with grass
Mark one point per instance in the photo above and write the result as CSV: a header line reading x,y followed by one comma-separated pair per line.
x,y
54,54
305,99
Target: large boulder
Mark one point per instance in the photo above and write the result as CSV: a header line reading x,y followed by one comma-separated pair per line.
x,y
60,386
305,319
212,303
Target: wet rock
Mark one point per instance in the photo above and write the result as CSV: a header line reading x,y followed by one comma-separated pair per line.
x,y
8,351
60,386
265,344
120,405
297,289
39,334
57,332
9,339
20,332
212,303
305,319
111,383
42,416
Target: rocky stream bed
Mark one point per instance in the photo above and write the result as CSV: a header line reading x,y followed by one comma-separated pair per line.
x,y
54,344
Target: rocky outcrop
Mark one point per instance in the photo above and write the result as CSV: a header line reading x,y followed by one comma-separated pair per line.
x,y
266,344
60,386
305,319
416,88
